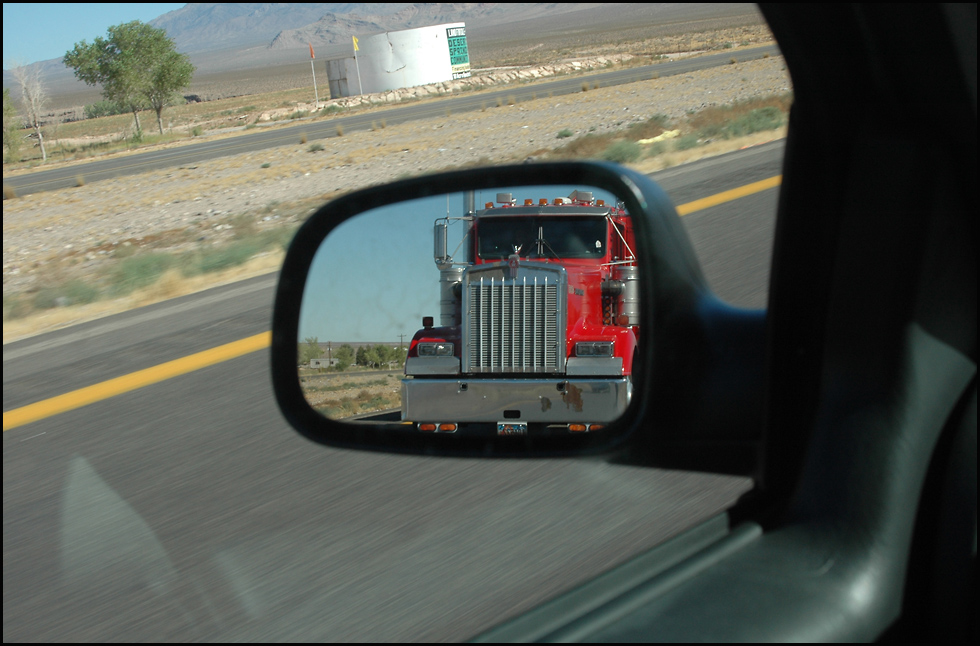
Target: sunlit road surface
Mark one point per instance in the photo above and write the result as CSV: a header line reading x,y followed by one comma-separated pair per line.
x,y
187,509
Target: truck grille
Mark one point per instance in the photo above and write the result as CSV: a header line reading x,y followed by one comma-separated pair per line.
x,y
514,325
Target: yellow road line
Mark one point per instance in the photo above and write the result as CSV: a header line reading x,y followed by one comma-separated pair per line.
x,y
728,196
133,381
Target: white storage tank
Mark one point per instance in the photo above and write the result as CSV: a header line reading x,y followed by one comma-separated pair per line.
x,y
398,59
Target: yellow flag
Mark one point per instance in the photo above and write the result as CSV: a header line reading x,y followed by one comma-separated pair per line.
x,y
356,49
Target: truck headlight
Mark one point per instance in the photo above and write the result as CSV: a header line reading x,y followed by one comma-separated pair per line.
x,y
594,349
435,349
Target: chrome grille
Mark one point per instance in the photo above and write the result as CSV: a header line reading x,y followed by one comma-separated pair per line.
x,y
514,325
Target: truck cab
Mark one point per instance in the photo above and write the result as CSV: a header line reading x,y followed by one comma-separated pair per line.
x,y
539,321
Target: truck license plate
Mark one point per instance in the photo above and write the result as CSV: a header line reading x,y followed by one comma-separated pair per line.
x,y
511,428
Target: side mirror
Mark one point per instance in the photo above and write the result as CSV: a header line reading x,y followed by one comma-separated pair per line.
x,y
555,303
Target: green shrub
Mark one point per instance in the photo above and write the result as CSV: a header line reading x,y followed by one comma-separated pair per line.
x,y
15,306
623,152
686,142
758,120
138,271
74,292
562,134
103,109
315,148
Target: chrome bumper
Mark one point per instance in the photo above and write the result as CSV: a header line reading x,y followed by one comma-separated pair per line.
x,y
551,401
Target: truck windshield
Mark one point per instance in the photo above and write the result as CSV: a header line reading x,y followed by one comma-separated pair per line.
x,y
542,237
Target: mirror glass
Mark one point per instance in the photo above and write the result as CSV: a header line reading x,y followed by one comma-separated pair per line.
x,y
505,311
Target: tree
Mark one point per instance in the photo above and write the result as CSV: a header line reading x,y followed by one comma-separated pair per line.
x,y
11,129
362,356
344,356
311,350
33,96
137,66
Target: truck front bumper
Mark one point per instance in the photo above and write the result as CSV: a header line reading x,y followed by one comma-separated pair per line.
x,y
537,400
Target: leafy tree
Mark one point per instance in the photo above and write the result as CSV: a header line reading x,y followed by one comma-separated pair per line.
x,y
11,129
34,97
137,66
383,353
310,350
400,354
345,356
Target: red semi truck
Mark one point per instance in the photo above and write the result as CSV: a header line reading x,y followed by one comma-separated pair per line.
x,y
539,320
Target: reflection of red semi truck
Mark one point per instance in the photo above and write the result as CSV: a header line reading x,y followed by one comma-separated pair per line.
x,y
539,322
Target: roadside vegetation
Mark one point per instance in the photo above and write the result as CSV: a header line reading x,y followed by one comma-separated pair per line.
x,y
660,134
131,269
357,390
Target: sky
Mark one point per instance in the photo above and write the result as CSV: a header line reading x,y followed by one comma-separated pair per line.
x,y
374,277
38,31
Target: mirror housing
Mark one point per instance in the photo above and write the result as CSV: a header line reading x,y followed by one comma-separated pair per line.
x,y
693,399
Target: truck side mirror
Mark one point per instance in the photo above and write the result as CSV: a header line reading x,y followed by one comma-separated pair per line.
x,y
557,349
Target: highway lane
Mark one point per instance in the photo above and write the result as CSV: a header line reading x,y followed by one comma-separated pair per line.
x,y
93,171
189,510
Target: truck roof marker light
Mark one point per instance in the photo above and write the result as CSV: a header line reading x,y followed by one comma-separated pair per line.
x,y
543,201
600,202
558,201
528,202
488,205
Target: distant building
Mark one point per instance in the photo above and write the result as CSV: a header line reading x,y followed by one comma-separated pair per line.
x,y
398,59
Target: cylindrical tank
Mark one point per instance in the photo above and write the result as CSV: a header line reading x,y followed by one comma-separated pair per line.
x,y
449,303
628,302
398,59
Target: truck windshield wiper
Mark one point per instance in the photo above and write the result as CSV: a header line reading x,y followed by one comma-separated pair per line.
x,y
542,243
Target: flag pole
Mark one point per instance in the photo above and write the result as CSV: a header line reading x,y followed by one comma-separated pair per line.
x,y
360,88
313,69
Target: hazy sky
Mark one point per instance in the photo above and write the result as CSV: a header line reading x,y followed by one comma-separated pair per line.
x,y
39,31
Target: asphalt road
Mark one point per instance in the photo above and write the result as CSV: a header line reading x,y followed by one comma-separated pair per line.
x,y
93,171
189,510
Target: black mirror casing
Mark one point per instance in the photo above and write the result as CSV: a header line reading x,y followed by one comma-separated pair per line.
x,y
687,342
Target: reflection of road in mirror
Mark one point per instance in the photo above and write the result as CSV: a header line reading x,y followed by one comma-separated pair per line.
x,y
528,323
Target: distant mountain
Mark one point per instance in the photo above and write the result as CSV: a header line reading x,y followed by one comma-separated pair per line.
x,y
337,27
207,26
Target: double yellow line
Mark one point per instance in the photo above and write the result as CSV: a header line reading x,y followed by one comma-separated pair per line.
x,y
141,378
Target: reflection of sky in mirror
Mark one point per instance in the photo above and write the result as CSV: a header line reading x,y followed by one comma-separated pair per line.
x,y
374,277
